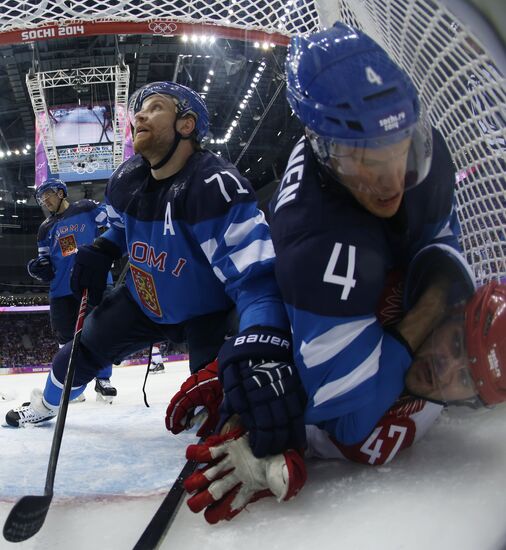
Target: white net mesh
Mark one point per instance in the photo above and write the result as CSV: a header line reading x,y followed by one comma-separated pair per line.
x,y
463,89
270,16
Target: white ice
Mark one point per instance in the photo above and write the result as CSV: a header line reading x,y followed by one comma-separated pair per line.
x,y
448,492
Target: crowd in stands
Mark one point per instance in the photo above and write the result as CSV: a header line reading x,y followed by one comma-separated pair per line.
x,y
27,340
26,299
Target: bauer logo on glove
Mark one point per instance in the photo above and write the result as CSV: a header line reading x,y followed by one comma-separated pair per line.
x,y
261,339
263,387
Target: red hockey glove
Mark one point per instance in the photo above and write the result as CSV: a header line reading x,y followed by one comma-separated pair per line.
x,y
202,389
234,478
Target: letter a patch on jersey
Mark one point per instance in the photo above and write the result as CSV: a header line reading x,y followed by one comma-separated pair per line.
x,y
146,289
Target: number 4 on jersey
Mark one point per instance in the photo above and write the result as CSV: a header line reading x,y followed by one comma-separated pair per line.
x,y
348,281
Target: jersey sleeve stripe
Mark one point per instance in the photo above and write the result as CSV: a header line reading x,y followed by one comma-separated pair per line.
x,y
361,373
114,217
219,273
209,248
101,219
446,231
237,232
257,251
330,343
43,250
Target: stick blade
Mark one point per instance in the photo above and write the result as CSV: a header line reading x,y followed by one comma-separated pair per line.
x,y
26,518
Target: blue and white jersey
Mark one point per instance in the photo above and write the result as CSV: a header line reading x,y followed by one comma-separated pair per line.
x,y
333,257
196,241
60,235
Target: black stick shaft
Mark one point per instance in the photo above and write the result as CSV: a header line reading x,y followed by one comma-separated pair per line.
x,y
157,528
64,400
29,513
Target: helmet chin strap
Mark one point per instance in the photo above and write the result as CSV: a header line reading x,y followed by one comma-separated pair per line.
x,y
170,152
58,209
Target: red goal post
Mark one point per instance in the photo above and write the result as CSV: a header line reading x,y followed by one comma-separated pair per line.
x,y
451,49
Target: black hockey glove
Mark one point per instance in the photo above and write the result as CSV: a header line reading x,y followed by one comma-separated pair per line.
x,y
41,269
262,385
91,267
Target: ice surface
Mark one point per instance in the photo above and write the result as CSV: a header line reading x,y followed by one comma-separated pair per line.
x,y
448,492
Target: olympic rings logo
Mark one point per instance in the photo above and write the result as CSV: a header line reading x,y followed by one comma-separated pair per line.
x,y
161,27
86,167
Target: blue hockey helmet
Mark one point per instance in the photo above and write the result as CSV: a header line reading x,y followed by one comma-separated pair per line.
x,y
51,184
351,96
188,102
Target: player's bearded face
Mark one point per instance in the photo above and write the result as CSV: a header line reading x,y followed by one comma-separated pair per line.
x,y
154,127
440,369
375,177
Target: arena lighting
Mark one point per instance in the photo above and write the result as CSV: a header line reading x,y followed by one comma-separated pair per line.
x,y
203,39
266,45
242,105
24,151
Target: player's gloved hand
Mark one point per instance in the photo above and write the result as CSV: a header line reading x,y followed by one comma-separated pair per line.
x,y
91,267
263,387
234,478
202,389
40,268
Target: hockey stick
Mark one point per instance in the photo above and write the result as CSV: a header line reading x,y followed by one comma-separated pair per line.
x,y
157,528
29,512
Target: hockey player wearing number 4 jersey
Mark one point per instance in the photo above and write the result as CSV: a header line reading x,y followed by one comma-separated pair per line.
x,y
368,190
197,245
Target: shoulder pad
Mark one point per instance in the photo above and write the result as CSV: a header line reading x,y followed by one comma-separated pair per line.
x,y
85,205
133,167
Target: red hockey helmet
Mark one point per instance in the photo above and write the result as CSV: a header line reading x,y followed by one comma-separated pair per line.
x,y
485,329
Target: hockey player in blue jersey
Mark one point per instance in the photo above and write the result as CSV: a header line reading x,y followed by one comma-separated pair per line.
x,y
369,189
67,227
198,246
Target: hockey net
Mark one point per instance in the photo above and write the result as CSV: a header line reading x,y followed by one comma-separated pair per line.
x,y
454,69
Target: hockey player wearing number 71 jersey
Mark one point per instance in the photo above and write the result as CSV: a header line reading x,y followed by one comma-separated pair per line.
x,y
197,245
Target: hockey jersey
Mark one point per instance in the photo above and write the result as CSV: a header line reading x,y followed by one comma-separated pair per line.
x,y
400,427
333,258
60,235
196,241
